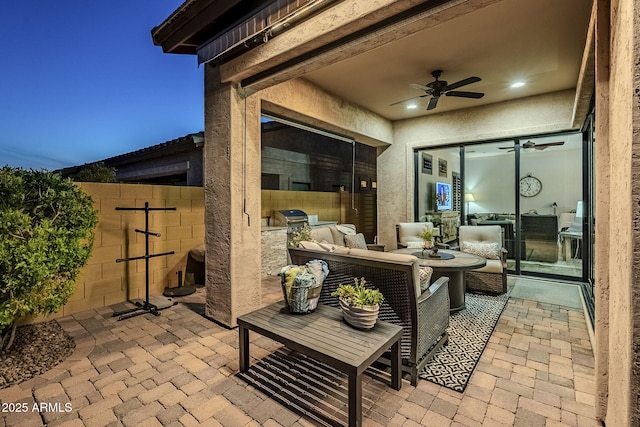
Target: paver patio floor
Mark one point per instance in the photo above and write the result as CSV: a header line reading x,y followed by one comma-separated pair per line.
x,y
180,369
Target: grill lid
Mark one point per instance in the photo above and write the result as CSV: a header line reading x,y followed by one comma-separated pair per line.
x,y
287,216
292,213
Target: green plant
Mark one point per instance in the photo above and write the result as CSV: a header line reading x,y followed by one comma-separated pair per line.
x,y
357,294
427,234
46,229
95,172
303,235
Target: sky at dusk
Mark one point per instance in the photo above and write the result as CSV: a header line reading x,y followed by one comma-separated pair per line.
x,y
81,81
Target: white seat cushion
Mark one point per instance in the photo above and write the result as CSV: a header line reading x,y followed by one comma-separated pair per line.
x,y
410,231
493,266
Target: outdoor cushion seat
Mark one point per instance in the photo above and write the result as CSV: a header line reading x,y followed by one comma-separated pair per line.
x,y
488,242
423,315
410,232
493,266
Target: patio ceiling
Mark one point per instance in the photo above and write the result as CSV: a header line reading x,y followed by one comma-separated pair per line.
x,y
541,43
537,42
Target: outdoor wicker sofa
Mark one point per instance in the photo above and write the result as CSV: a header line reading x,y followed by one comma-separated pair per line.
x,y
423,315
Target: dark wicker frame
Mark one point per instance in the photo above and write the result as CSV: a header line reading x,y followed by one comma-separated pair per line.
x,y
424,319
490,283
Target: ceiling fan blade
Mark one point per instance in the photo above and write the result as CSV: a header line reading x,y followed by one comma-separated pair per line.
x,y
461,83
462,94
420,87
433,103
406,100
505,148
550,144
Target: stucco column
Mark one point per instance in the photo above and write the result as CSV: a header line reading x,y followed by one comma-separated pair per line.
x,y
618,139
603,166
232,201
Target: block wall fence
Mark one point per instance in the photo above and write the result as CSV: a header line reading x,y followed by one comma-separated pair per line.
x,y
103,282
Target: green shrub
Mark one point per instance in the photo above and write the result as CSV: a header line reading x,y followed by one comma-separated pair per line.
x,y
95,172
46,236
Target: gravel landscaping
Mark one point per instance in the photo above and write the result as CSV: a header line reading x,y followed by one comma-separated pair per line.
x,y
36,349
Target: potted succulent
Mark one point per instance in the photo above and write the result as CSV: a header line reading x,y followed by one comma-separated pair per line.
x,y
428,236
359,304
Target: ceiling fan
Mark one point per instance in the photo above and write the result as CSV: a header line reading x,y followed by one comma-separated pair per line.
x,y
531,144
437,88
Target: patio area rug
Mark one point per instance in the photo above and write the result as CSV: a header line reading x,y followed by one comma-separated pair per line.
x,y
469,331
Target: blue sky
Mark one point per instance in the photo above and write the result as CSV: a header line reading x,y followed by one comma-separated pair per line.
x,y
80,81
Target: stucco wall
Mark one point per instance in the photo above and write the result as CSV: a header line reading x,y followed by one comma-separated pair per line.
x,y
619,134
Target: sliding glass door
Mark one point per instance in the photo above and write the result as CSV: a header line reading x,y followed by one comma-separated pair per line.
x,y
489,176
531,187
551,208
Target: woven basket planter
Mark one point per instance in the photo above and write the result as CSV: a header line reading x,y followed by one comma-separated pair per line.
x,y
363,317
301,299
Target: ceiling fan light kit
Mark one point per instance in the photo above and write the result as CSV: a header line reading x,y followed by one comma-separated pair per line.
x,y
438,87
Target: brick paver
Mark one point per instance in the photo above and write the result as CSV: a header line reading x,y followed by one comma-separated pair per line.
x,y
180,369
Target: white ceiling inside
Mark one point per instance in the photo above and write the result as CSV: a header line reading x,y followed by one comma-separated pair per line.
x,y
539,42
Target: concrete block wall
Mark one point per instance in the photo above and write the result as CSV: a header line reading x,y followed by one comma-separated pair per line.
x,y
103,282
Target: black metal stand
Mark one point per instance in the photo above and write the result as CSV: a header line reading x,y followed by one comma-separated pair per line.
x,y
145,306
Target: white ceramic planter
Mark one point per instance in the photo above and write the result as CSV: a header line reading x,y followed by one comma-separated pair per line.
x,y
360,317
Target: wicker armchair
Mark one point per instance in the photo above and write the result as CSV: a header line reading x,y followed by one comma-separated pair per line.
x,y
424,316
491,278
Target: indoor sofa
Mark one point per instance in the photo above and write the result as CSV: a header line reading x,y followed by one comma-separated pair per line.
x,y
423,314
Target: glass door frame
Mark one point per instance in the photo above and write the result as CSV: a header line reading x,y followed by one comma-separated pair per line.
x,y
587,178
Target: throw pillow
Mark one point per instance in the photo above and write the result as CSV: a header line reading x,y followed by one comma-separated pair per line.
x,y
355,241
485,250
425,278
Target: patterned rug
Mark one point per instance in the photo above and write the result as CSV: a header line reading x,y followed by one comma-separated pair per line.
x,y
469,331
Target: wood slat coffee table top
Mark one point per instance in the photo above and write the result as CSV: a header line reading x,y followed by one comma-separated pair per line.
x,y
323,335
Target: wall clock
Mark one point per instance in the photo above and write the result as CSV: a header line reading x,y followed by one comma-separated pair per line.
x,y
530,186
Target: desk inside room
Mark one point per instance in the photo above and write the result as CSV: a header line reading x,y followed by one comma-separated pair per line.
x,y
567,237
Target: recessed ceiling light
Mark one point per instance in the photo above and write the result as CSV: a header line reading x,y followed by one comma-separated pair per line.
x,y
412,107
517,84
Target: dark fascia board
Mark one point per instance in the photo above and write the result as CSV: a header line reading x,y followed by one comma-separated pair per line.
x,y
182,31
185,143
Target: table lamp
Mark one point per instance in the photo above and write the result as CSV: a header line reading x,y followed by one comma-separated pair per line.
x,y
469,198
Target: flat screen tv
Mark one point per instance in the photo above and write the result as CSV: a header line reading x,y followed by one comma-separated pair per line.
x,y
443,196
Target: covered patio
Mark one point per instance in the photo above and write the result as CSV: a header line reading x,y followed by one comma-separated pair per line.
x,y
301,70
181,369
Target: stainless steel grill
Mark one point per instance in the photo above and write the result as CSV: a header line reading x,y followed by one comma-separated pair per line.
x,y
293,219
